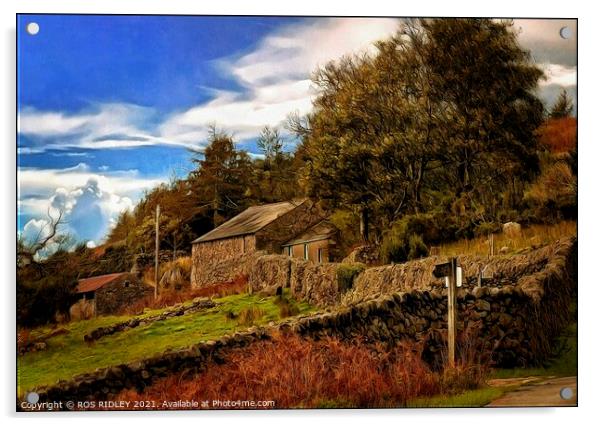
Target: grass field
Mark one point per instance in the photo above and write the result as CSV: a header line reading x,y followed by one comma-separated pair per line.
x,y
562,364
472,398
530,236
68,354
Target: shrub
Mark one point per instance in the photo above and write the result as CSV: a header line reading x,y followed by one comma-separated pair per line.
x,y
38,302
417,248
346,274
407,238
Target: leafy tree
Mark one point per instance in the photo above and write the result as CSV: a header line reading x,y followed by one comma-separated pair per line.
x,y
563,107
444,106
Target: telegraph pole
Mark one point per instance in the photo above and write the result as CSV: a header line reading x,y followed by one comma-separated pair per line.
x,y
157,250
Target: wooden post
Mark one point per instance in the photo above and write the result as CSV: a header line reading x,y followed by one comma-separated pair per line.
x,y
157,250
451,314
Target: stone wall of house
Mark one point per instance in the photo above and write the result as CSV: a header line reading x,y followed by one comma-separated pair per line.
x,y
313,248
207,258
287,226
114,296
207,274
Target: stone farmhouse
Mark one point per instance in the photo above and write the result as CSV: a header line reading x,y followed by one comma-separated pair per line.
x,y
107,294
296,228
318,243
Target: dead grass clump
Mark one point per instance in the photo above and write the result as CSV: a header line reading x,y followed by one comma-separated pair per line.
x,y
530,237
248,316
82,310
286,308
294,372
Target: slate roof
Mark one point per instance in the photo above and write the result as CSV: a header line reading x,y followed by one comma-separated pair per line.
x,y
249,221
321,231
94,283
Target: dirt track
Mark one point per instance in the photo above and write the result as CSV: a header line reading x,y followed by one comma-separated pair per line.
x,y
537,393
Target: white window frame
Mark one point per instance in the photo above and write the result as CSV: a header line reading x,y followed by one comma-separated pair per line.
x,y
306,251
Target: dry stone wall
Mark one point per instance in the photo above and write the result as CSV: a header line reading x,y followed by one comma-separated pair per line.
x,y
516,324
418,274
198,304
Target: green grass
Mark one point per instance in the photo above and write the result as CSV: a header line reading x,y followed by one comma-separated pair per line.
x,y
562,365
68,354
472,398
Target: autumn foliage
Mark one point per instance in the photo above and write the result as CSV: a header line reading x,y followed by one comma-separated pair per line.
x,y
559,134
294,372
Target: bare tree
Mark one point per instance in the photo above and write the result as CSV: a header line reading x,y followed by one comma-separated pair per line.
x,y
27,250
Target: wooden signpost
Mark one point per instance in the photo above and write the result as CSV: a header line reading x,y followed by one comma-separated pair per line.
x,y
449,271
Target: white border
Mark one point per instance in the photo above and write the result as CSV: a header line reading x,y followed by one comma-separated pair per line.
x,y
590,144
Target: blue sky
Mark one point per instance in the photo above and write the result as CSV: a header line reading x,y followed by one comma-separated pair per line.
x,y
109,105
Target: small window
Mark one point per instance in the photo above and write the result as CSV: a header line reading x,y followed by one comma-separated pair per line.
x,y
290,250
126,284
320,255
306,251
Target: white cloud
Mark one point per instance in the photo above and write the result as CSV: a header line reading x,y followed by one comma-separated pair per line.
x,y
104,126
33,122
91,202
276,76
559,75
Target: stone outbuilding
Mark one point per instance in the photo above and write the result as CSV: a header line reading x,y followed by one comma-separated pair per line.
x,y
262,228
107,294
317,244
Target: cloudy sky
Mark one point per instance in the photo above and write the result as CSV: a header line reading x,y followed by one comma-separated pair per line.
x,y
108,106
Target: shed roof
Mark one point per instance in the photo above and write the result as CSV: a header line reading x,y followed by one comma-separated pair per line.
x,y
321,231
250,221
94,283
